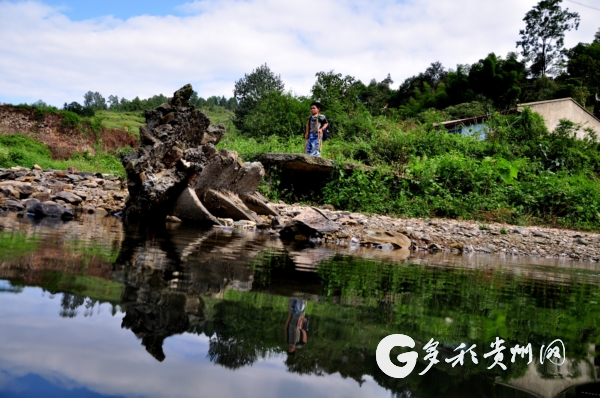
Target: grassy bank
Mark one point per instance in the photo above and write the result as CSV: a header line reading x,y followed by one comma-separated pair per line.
x,y
22,150
520,173
128,121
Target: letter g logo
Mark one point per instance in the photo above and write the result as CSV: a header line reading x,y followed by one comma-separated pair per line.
x,y
382,356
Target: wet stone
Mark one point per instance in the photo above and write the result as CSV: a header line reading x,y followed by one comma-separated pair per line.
x,y
12,204
69,197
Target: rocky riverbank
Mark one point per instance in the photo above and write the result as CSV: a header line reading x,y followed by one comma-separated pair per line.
x,y
63,193
84,192
447,235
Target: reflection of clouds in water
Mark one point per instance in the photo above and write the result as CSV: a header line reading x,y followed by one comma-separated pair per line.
x,y
4,379
96,353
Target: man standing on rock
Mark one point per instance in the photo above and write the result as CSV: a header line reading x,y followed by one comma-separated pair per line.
x,y
315,125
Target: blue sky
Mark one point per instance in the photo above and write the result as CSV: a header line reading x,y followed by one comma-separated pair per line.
x,y
78,10
57,50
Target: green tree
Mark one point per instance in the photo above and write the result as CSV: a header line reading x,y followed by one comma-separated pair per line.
x,y
542,40
277,113
251,88
498,79
336,92
94,100
583,68
377,95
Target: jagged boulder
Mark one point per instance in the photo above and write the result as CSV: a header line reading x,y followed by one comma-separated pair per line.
x,y
178,171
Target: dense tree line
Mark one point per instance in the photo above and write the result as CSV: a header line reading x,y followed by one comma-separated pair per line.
x,y
494,83
94,101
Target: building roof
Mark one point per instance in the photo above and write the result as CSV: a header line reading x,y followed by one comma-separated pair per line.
x,y
478,119
470,120
521,106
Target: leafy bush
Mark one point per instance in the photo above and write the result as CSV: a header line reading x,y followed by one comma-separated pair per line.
x,y
70,119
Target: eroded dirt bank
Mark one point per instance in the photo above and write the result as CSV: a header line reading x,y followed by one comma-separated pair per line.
x,y
60,136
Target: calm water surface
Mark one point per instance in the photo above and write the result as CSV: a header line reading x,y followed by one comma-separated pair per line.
x,y
99,308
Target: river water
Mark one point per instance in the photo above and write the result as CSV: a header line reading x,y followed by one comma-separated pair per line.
x,y
96,307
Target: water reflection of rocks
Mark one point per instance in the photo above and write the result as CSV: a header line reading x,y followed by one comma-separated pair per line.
x,y
235,288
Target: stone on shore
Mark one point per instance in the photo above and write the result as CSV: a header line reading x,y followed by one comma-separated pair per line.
x,y
310,222
13,204
223,205
50,209
257,203
189,207
69,197
396,239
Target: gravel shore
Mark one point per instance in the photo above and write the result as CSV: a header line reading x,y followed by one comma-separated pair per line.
x,y
106,194
448,235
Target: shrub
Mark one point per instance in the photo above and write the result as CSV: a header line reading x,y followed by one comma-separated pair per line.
x,y
70,119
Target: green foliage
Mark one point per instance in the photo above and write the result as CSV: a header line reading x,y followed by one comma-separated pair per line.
x,y
21,150
75,107
70,119
583,70
359,191
124,151
542,39
94,100
276,113
335,92
250,89
249,147
466,110
452,185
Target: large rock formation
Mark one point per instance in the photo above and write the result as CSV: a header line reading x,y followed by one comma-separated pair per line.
x,y
178,171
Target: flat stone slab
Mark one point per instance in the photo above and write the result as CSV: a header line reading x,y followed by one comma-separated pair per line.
x,y
300,162
224,206
69,197
258,204
309,223
396,239
188,207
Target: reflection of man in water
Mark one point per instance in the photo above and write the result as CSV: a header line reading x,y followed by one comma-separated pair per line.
x,y
296,325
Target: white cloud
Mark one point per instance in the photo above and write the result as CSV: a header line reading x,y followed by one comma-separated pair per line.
x,y
45,55
97,353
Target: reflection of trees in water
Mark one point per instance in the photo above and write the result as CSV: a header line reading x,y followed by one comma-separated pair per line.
x,y
71,302
230,352
240,334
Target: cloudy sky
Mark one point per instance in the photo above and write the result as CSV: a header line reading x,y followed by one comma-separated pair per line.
x,y
56,50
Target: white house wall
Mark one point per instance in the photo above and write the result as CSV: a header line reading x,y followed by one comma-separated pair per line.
x,y
553,111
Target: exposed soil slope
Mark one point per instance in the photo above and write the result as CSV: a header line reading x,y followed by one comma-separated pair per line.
x,y
62,140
